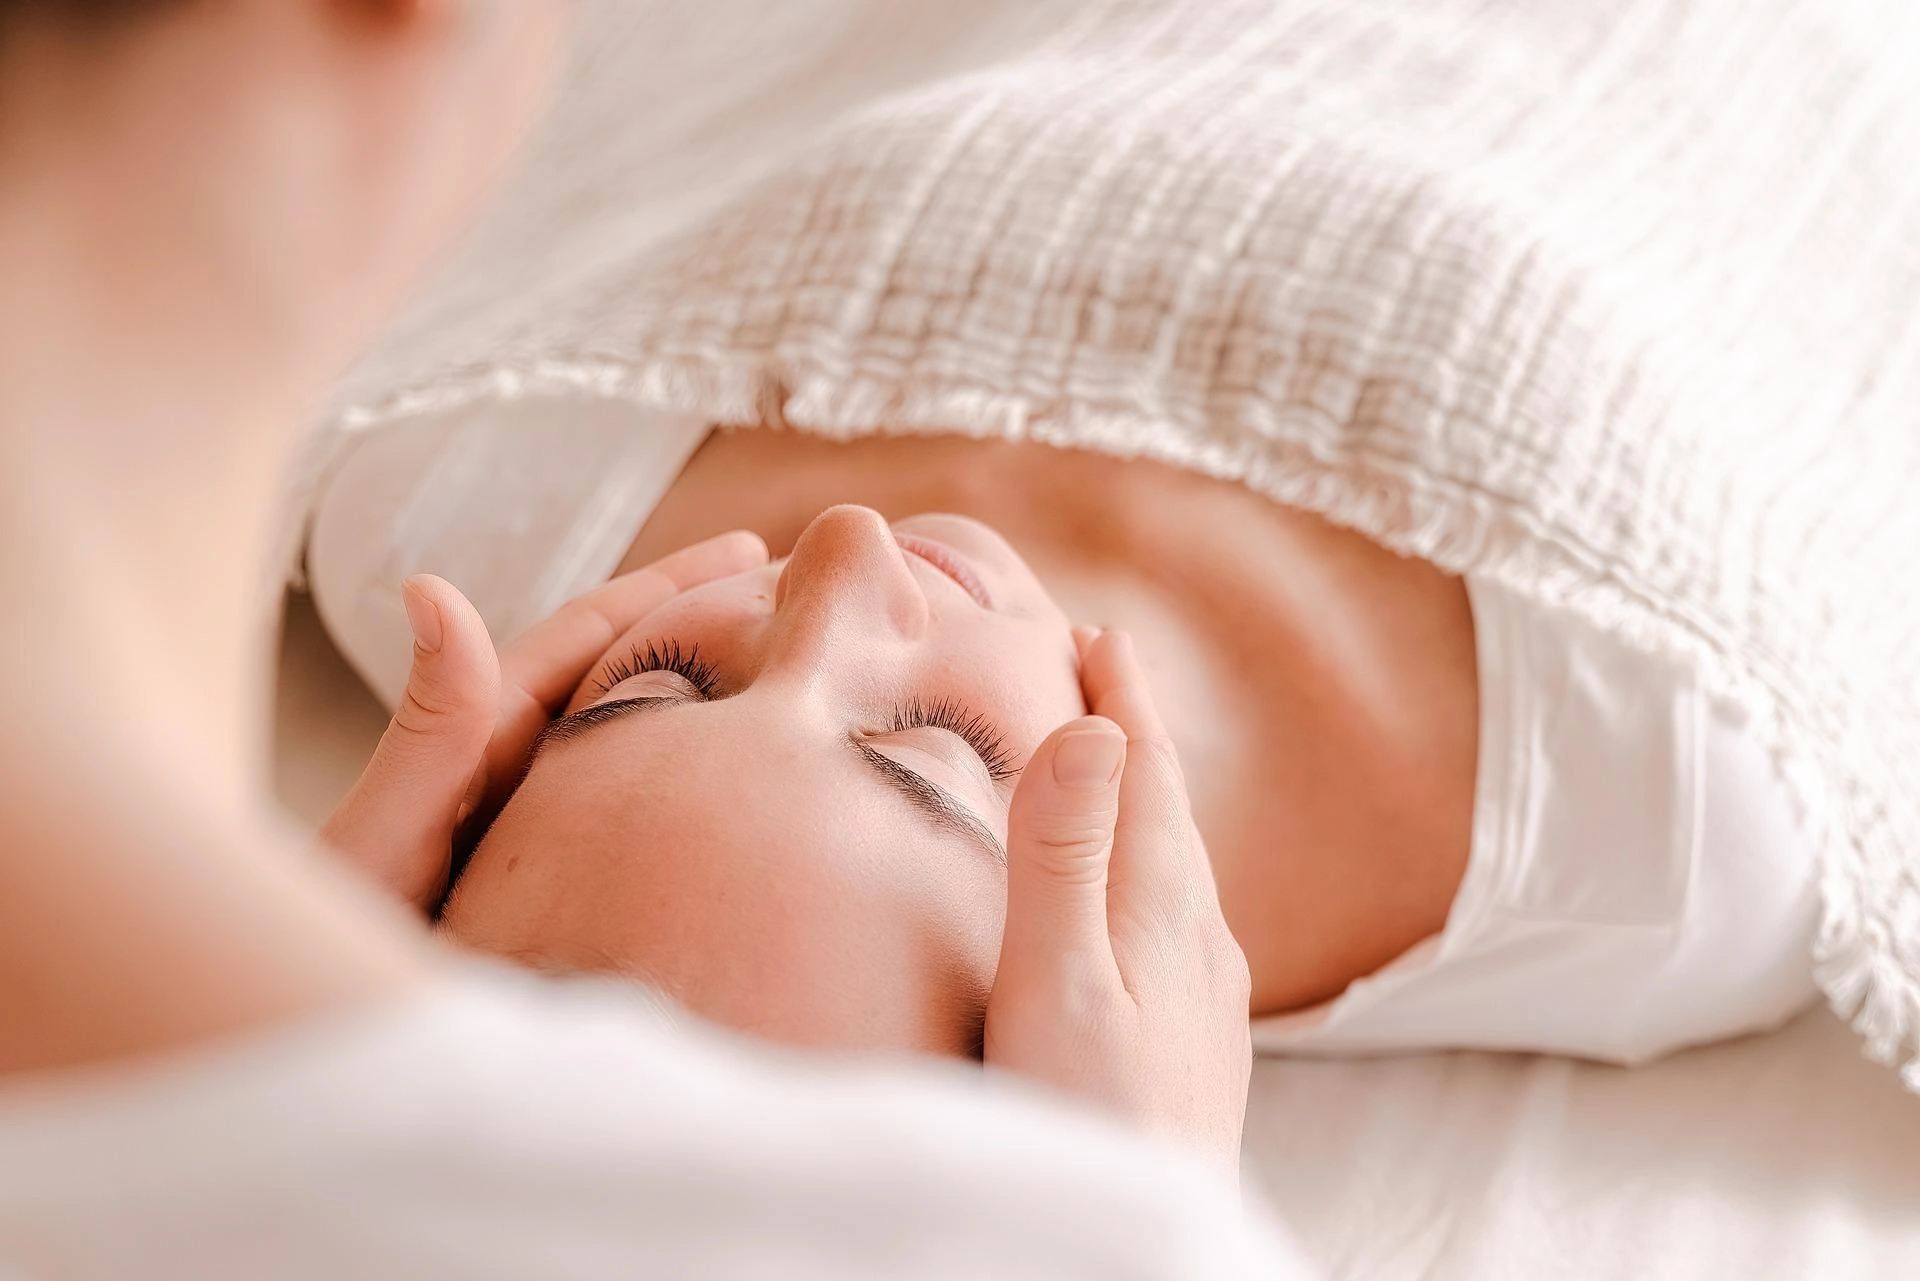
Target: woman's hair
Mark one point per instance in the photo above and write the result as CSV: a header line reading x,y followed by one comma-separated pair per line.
x,y
82,18
78,14
78,10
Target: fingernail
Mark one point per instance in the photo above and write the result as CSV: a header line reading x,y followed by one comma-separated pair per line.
x,y
422,616
1088,758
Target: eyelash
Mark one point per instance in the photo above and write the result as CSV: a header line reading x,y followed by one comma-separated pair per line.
x,y
941,713
668,657
948,715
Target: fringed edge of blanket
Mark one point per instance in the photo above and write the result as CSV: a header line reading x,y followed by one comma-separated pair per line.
x,y
1857,954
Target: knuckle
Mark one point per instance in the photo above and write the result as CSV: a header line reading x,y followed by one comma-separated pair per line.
x,y
1226,963
419,714
1086,998
1235,978
438,710
1074,863
1068,831
430,691
1193,913
574,613
1071,836
1156,753
583,612
1194,910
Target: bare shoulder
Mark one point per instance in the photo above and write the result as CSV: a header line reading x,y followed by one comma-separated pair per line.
x,y
134,924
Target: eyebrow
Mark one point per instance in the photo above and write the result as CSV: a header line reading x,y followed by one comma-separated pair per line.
x,y
939,806
937,803
574,724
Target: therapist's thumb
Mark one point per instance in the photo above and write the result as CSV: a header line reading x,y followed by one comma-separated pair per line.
x,y
1059,843
398,821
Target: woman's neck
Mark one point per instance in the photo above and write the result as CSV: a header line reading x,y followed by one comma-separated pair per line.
x,y
145,421
153,382
1321,689
165,327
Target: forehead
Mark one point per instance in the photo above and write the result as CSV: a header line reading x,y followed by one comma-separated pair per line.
x,y
693,768
753,871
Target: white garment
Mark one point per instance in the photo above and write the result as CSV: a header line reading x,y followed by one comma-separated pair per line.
x,y
520,504
509,1127
1640,880
1639,877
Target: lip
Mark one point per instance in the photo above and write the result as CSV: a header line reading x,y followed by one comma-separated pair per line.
x,y
949,562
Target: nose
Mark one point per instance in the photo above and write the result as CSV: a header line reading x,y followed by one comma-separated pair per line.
x,y
846,578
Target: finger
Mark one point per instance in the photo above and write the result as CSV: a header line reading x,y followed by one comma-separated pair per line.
x,y
550,659
398,821
1157,851
1116,687
1083,636
547,663
1059,840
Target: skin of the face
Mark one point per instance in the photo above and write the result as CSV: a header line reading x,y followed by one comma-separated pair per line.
x,y
292,164
752,840
425,116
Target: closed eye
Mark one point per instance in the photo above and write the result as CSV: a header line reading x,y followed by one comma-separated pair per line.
x,y
941,713
972,728
663,656
939,806
936,802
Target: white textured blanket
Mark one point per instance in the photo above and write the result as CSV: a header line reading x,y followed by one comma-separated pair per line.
x,y
1615,302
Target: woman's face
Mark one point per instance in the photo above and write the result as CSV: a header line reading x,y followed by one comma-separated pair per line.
x,y
288,167
783,799
428,116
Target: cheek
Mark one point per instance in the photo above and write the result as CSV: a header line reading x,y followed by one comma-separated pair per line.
x,y
1031,686
964,916
886,962
934,972
888,941
1055,697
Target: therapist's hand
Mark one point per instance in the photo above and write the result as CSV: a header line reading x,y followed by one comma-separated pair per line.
x,y
469,716
1119,981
